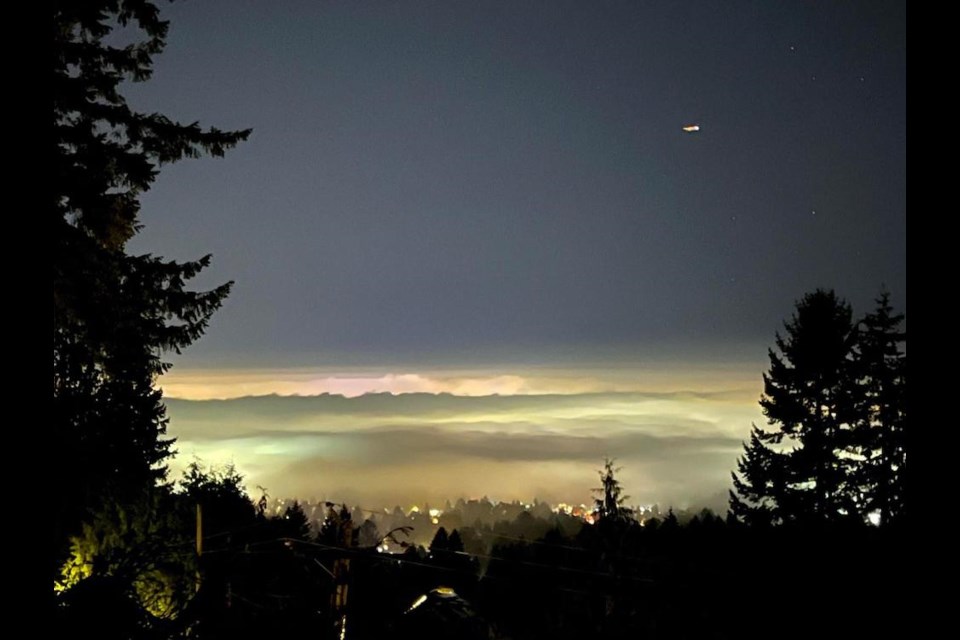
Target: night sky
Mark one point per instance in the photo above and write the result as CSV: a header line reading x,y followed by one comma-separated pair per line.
x,y
498,197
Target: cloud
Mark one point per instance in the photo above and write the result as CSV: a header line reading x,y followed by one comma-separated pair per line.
x,y
209,384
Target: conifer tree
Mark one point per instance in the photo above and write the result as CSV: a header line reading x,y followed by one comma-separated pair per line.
x,y
609,505
296,523
760,484
455,542
440,540
880,369
115,314
795,472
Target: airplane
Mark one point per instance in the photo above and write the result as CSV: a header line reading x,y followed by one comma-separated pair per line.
x,y
692,128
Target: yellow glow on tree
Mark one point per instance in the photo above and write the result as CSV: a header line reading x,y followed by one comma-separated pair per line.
x,y
142,544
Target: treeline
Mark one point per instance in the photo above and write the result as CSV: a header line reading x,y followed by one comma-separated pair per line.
x,y
481,515
138,572
706,579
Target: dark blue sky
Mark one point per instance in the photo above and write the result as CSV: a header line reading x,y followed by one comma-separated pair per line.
x,y
510,179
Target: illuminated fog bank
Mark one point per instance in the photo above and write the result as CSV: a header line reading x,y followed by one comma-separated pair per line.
x,y
381,449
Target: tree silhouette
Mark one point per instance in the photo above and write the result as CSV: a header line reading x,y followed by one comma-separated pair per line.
x,y
881,373
337,527
836,393
440,541
295,522
609,505
115,314
220,493
760,482
795,472
455,542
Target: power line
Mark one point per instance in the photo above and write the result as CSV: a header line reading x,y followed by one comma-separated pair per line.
x,y
471,555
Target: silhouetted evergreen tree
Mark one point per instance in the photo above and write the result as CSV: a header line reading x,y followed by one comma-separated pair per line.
x,y
440,540
609,505
115,314
455,543
881,377
794,472
760,482
368,535
336,529
671,522
295,522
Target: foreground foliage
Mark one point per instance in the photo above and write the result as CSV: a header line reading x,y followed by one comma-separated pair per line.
x,y
114,313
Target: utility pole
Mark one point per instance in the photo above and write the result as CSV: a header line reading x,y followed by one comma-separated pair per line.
x,y
341,572
199,544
